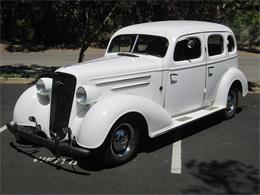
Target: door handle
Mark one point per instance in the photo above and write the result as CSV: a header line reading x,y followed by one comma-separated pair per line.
x,y
210,73
172,78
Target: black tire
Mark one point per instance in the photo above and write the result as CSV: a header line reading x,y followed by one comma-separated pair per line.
x,y
232,102
121,144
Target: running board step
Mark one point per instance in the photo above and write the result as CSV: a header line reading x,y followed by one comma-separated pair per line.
x,y
184,118
187,118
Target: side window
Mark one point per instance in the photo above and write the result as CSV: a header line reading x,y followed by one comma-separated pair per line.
x,y
187,49
151,45
122,43
231,43
215,45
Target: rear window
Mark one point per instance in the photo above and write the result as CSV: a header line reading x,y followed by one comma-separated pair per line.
x,y
215,45
187,49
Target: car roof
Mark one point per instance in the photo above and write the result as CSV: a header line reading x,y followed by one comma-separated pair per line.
x,y
173,28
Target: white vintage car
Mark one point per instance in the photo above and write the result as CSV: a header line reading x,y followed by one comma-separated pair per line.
x,y
153,78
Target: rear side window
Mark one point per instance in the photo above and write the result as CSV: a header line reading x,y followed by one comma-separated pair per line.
x,y
231,43
215,45
187,49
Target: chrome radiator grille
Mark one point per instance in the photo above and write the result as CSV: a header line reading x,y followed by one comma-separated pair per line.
x,y
63,89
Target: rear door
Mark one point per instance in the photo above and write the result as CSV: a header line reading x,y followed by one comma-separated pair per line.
x,y
216,64
186,76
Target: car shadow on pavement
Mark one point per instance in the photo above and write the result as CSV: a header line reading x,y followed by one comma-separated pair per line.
x,y
148,145
228,177
181,133
89,164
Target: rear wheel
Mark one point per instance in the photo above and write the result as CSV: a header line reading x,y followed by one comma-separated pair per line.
x,y
231,105
121,144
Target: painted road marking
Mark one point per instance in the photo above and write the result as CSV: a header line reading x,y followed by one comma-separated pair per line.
x,y
3,128
176,158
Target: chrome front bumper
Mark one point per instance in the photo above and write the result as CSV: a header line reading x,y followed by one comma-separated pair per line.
x,y
60,148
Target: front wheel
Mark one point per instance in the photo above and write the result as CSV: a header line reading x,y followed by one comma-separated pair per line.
x,y
121,144
232,102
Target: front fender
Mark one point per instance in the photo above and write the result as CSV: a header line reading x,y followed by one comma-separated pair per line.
x,y
102,115
232,75
27,105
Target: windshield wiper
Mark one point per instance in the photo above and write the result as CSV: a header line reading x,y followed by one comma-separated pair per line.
x,y
127,54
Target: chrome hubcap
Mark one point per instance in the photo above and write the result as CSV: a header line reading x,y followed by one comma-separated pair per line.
x,y
121,139
230,103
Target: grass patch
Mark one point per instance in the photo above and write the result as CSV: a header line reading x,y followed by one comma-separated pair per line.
x,y
14,75
257,85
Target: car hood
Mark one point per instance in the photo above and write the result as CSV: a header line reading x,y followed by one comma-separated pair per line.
x,y
109,67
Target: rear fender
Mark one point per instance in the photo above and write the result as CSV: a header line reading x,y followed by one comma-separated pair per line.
x,y
232,75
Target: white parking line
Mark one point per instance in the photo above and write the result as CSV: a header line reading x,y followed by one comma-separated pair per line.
x,y
3,128
176,158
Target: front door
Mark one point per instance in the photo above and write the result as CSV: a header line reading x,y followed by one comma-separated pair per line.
x,y
216,64
186,76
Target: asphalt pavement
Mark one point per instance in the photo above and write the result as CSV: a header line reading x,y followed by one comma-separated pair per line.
x,y
250,66
217,157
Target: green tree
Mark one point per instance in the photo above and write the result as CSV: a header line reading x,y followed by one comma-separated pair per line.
x,y
243,17
78,23
95,15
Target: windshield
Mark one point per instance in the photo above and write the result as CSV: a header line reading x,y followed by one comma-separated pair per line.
x,y
139,44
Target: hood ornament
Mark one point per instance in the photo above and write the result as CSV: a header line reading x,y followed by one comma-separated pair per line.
x,y
59,83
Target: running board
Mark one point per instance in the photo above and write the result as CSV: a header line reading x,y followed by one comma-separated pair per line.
x,y
187,118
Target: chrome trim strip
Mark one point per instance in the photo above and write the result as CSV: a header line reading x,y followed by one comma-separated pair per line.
x,y
213,61
126,74
142,84
116,80
182,67
159,70
187,67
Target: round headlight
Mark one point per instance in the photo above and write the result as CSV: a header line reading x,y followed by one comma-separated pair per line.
x,y
43,86
40,86
81,95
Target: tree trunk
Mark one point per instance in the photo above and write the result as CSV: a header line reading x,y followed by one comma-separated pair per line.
x,y
86,42
84,46
82,51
